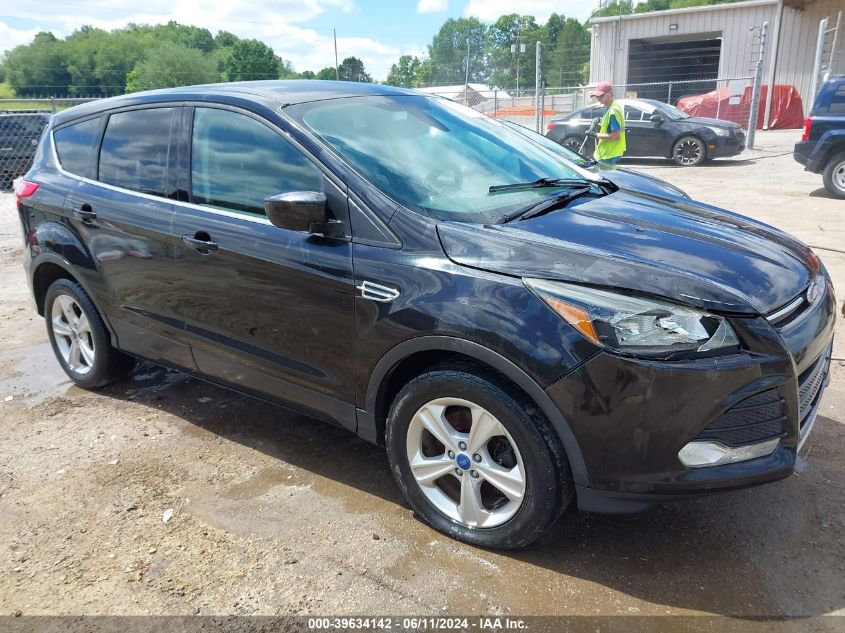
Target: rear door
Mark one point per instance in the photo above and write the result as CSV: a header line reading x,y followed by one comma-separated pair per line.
x,y
121,211
268,310
643,138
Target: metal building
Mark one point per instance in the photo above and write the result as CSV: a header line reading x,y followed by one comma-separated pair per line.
x,y
722,42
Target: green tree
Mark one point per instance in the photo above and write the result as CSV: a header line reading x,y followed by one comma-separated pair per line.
x,y
405,72
251,59
172,65
117,54
38,69
308,74
80,53
286,70
448,51
224,39
614,7
352,69
514,31
327,73
567,52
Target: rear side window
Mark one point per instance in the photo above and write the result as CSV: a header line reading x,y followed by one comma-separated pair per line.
x,y
237,162
76,146
135,150
837,101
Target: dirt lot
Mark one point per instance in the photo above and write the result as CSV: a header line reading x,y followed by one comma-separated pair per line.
x,y
275,513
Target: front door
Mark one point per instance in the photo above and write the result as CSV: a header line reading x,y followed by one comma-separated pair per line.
x,y
267,310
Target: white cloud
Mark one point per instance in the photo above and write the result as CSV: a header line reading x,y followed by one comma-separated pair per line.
x,y
280,25
13,37
432,6
491,10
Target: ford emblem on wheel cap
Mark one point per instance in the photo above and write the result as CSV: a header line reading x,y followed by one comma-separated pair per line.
x,y
463,461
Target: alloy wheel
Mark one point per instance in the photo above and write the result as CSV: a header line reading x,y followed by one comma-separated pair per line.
x,y
689,151
73,335
839,176
465,462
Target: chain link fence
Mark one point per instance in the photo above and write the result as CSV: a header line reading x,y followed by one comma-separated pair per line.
x,y
728,99
21,124
22,120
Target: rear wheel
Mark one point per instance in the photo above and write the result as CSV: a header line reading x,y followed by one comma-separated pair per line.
x,y
475,459
79,337
834,175
689,151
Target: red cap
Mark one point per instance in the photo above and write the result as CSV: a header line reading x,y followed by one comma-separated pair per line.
x,y
601,88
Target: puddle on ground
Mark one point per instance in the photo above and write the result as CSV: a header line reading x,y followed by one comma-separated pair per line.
x,y
36,375
33,374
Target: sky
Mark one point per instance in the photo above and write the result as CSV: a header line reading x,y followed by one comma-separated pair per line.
x,y
300,31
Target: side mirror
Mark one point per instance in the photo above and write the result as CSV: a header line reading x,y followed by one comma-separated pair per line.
x,y
656,118
302,211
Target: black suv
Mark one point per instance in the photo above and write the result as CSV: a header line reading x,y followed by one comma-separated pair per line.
x,y
822,147
517,331
19,134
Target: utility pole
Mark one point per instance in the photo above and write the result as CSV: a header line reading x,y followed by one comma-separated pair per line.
x,y
755,91
518,48
466,78
336,67
537,113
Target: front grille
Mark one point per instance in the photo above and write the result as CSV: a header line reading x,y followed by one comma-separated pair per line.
x,y
810,385
754,419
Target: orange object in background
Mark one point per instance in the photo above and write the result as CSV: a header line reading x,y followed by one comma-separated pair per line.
x,y
787,108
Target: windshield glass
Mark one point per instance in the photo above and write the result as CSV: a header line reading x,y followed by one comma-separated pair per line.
x,y
669,110
435,156
549,144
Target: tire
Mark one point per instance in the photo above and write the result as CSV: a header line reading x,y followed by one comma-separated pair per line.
x,y
79,337
573,143
689,151
834,175
517,449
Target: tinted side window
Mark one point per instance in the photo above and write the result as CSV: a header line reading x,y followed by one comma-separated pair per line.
x,y
237,162
837,101
134,153
76,146
633,114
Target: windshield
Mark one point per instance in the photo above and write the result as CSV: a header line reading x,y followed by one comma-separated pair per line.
x,y
551,145
668,110
435,156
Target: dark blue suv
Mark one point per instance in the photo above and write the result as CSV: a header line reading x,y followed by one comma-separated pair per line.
x,y
822,148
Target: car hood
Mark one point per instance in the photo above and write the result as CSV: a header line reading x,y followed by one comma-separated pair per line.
x,y
700,120
683,250
636,181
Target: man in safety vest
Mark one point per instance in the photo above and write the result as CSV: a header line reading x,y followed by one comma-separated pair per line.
x,y
610,139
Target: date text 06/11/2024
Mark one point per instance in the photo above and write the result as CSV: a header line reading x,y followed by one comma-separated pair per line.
x,y
378,623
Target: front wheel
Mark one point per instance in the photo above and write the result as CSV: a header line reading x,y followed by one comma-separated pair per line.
x,y
79,337
689,151
834,175
475,459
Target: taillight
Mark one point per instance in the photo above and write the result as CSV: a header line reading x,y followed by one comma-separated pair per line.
x,y
24,189
550,125
808,126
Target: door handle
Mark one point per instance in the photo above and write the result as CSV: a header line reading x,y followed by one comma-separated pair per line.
x,y
84,213
201,241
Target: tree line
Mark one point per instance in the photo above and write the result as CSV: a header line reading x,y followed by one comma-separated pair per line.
x,y
139,57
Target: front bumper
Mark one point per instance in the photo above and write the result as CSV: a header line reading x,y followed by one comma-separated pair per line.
x,y
723,147
632,416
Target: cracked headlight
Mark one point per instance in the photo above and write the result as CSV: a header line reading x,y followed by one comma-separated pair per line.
x,y
635,325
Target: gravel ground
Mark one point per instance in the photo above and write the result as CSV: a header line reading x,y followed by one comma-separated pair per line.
x,y
275,513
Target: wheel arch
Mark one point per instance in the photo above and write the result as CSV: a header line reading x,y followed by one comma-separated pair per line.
x,y
49,267
413,356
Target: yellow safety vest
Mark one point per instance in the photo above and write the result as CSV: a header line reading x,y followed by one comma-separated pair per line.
x,y
606,148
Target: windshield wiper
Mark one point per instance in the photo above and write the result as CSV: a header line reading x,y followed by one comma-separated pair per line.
x,y
554,202
542,182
